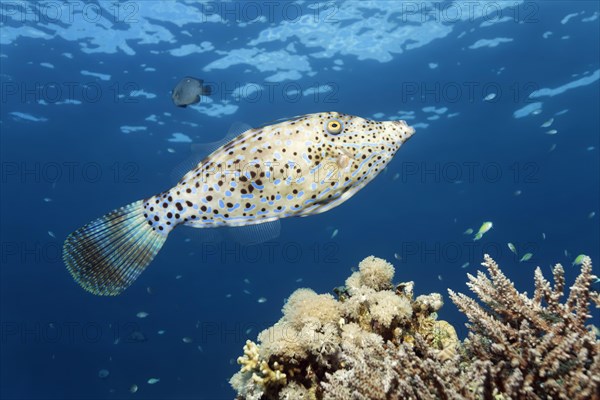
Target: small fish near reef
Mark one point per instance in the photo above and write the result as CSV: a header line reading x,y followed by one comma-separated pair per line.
x,y
485,227
189,91
299,167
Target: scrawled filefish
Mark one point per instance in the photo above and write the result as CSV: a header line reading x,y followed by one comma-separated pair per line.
x,y
296,168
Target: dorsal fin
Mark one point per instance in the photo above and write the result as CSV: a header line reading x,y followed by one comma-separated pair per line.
x,y
289,119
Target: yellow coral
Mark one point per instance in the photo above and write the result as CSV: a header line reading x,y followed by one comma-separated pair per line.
x,y
270,376
249,360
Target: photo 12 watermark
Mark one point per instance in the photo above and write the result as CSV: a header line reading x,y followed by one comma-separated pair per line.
x,y
69,11
486,12
450,92
466,252
72,92
272,252
104,89
68,172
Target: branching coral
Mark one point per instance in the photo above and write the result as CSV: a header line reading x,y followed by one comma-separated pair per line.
x,y
378,342
537,347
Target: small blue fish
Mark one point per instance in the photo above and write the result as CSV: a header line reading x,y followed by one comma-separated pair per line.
x,y
296,168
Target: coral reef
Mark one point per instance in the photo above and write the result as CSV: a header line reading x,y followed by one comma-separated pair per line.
x,y
319,336
376,341
533,347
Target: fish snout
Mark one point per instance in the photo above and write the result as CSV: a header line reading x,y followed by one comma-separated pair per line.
x,y
405,131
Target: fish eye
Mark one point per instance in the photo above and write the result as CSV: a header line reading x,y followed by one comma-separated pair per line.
x,y
334,126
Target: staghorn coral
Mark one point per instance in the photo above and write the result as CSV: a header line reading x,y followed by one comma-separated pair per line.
x,y
384,371
387,345
536,347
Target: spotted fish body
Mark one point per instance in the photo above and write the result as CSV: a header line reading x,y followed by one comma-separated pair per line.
x,y
300,167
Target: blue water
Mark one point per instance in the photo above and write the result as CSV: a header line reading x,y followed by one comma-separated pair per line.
x,y
66,160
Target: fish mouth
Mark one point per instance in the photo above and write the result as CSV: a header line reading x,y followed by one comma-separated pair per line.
x,y
409,129
406,131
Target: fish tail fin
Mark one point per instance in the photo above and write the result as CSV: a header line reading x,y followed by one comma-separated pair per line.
x,y
107,255
206,90
477,236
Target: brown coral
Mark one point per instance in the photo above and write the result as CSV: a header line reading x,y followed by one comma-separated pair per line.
x,y
387,345
537,347
318,334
